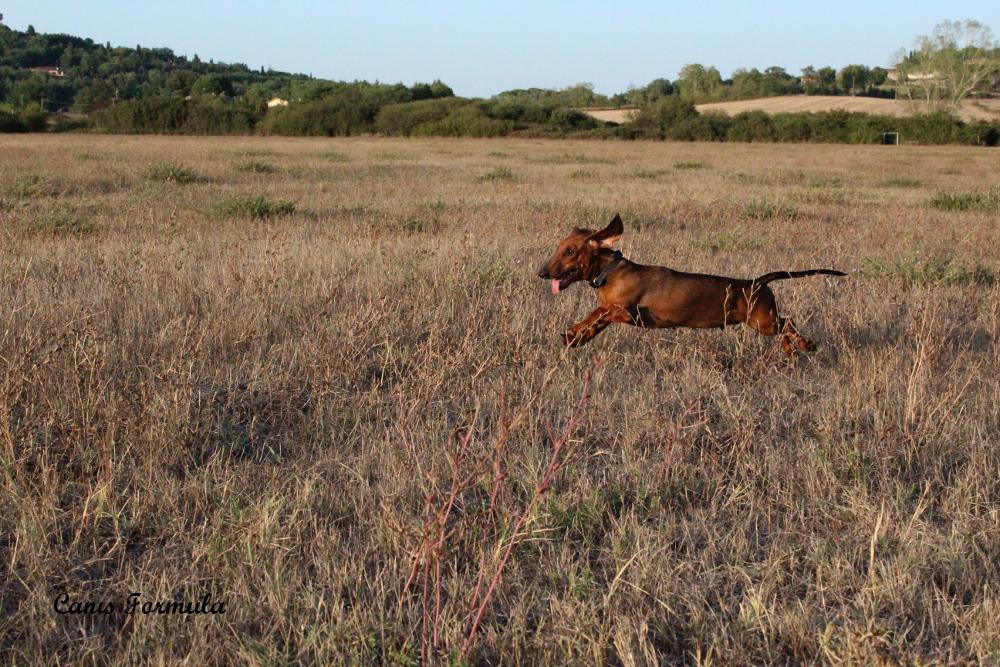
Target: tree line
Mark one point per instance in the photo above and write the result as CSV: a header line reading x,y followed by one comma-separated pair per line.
x,y
153,90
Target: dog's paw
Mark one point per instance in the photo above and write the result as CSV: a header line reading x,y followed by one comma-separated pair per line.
x,y
570,338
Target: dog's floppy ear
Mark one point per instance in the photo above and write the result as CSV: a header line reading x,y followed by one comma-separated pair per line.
x,y
610,235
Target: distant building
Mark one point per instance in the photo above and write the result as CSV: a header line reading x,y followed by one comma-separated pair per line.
x,y
50,71
893,75
276,102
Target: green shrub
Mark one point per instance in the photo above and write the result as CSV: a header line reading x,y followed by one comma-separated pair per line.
x,y
32,186
690,165
751,126
170,173
342,114
936,269
10,123
404,119
497,174
253,207
467,121
571,158
665,113
571,119
988,201
171,115
255,167
900,182
768,209
33,118
703,127
64,222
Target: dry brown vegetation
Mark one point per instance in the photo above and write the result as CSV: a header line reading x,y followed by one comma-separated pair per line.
x,y
329,392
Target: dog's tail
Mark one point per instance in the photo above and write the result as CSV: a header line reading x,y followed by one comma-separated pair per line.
x,y
785,275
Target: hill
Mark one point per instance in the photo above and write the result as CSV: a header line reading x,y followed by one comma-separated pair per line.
x,y
972,110
987,109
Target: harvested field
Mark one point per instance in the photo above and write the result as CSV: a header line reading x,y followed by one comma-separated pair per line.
x,y
318,380
986,109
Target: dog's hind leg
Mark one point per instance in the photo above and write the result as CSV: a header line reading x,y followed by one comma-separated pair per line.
x,y
792,340
764,319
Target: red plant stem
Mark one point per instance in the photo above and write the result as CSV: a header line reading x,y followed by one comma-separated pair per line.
x,y
553,467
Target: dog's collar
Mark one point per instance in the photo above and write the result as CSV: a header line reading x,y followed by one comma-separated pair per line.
x,y
602,277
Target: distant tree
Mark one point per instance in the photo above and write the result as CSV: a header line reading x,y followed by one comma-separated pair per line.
x,y
955,60
747,84
877,76
212,84
180,81
698,83
658,88
826,78
853,79
30,31
579,96
439,89
421,91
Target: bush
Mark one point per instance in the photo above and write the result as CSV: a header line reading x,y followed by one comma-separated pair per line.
x,y
571,119
768,209
33,118
935,269
468,121
404,119
255,167
497,174
10,123
170,173
170,115
253,207
703,127
664,114
347,112
792,127
751,126
988,201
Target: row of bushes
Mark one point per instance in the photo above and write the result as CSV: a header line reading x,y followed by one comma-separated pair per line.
x,y
349,112
30,119
678,120
171,115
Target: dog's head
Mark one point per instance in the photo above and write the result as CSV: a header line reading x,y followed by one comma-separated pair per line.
x,y
576,256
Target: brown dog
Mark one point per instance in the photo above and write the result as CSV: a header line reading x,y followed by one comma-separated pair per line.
x,y
657,297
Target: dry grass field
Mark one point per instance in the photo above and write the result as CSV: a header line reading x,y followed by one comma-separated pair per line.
x,y
319,381
986,109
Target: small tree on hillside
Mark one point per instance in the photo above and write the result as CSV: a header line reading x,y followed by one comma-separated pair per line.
x,y
955,60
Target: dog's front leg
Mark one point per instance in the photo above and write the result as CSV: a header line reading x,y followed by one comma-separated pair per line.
x,y
586,329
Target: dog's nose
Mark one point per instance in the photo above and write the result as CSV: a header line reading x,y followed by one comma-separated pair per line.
x,y
543,272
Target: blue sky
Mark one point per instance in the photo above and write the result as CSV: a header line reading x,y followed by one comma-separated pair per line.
x,y
481,48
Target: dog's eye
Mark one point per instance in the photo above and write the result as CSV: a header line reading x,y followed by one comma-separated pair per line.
x,y
571,251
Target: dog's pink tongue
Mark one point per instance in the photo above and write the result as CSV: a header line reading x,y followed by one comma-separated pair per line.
x,y
555,287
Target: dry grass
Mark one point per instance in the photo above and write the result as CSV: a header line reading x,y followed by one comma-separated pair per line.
x,y
353,423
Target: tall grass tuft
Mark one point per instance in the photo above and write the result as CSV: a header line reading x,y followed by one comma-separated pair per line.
x,y
168,172
259,207
979,200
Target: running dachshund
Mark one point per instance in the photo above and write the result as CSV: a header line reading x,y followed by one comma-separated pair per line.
x,y
658,297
